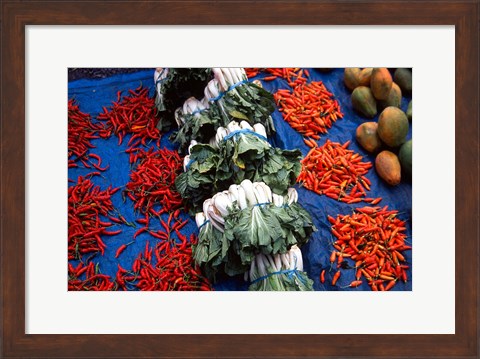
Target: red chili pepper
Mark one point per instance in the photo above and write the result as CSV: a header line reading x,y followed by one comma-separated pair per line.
x,y
135,113
335,277
120,250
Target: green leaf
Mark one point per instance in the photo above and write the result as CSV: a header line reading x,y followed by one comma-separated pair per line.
x,y
238,114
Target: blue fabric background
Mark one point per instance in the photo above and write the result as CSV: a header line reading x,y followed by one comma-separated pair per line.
x,y
92,95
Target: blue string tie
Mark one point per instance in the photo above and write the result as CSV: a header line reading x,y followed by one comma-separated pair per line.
x,y
203,224
261,204
230,88
246,131
199,111
289,272
160,79
187,167
230,135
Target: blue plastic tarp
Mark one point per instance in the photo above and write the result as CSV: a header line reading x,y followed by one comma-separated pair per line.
x,y
93,95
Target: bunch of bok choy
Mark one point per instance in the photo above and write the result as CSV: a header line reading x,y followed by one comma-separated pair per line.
x,y
245,220
279,272
239,99
197,120
175,85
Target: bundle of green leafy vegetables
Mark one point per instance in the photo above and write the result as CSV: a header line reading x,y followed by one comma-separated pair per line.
x,y
279,272
230,97
245,155
237,225
196,122
174,86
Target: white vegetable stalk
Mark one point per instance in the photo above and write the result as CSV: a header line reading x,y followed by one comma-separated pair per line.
x,y
200,219
244,125
241,74
296,261
222,203
192,143
216,220
260,129
265,264
228,76
159,74
292,196
190,106
268,191
246,194
247,185
205,102
235,126
227,73
260,193
212,90
217,72
221,133
277,200
186,161
242,198
178,115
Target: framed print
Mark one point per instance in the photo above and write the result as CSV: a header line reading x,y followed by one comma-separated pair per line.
x,y
431,282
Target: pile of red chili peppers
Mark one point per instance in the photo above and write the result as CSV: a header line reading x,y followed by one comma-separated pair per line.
x,y
169,264
336,172
152,181
94,280
86,203
373,238
81,130
135,114
291,74
308,108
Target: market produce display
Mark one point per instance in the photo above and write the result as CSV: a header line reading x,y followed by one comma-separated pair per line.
x,y
233,179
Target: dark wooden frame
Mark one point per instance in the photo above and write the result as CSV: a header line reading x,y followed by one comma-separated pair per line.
x,y
16,15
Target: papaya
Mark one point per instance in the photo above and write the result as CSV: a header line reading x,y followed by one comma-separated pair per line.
x,y
351,77
394,98
364,102
367,136
405,157
403,77
381,83
392,126
388,167
365,76
409,111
